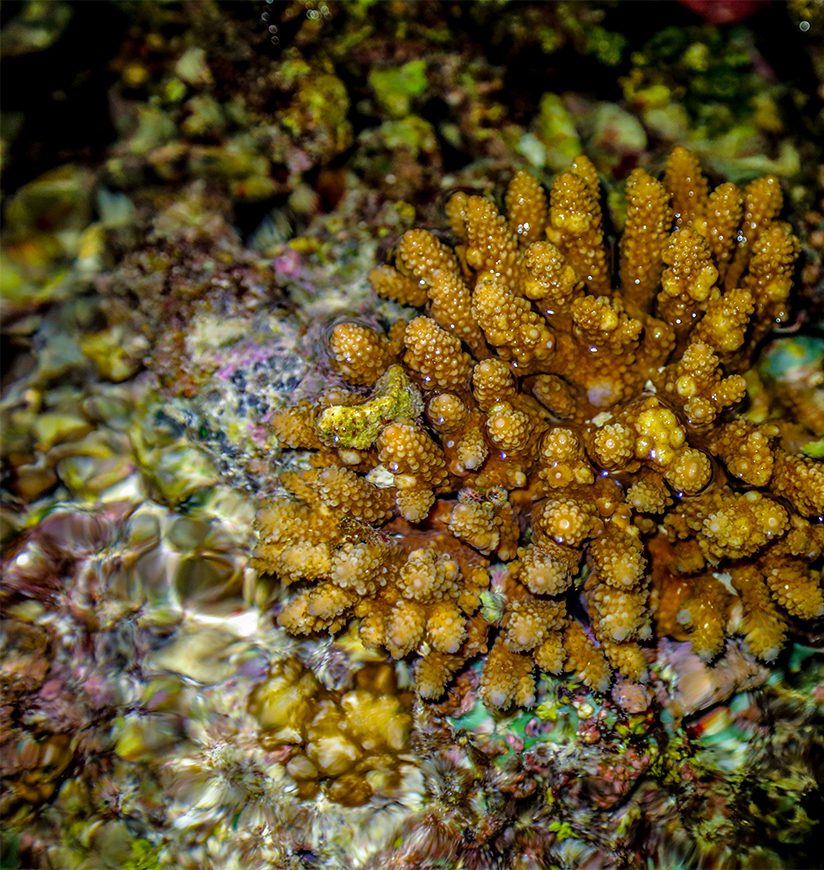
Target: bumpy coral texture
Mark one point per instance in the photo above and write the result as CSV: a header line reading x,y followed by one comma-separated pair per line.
x,y
348,742
575,413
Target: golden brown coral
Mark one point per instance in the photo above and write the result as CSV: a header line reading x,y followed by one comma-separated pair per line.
x,y
794,587
343,488
361,565
800,480
648,223
616,615
612,446
407,450
360,353
528,620
722,220
557,395
562,460
418,465
566,521
770,274
285,524
585,658
726,320
510,324
616,587
424,257
549,569
295,427
697,385
565,423
475,522
436,271
508,428
550,655
689,472
436,669
447,413
404,628
764,626
612,339
451,306
434,672
549,279
507,678
687,185
470,451
391,284
648,494
576,227
746,450
605,353
491,246
703,614
617,556
427,577
436,356
414,501
742,526
688,281
649,431
298,616
526,207
455,213
762,204
492,382
627,658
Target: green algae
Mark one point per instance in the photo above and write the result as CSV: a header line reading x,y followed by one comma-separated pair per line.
x,y
192,67
173,466
116,353
38,25
396,398
554,141
396,87
412,132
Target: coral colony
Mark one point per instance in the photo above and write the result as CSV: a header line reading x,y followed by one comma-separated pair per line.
x,y
569,411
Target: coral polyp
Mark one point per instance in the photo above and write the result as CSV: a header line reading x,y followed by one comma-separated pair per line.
x,y
574,409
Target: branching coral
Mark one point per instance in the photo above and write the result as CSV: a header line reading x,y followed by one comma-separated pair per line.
x,y
583,434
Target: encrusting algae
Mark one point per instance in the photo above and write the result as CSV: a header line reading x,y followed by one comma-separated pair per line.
x,y
585,433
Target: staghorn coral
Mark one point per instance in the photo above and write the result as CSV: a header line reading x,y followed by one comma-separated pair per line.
x,y
578,427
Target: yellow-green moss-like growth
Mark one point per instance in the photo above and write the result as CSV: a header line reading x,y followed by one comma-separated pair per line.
x,y
357,426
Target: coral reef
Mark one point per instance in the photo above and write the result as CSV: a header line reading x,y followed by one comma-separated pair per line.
x,y
191,207
579,429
